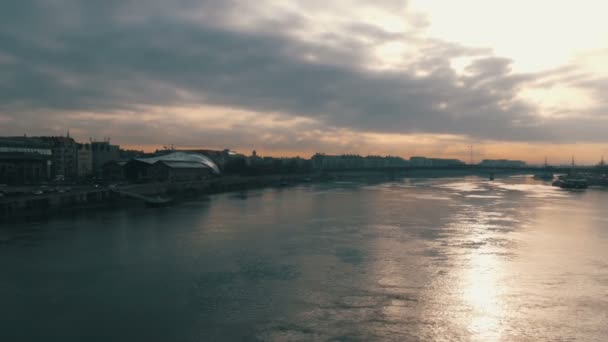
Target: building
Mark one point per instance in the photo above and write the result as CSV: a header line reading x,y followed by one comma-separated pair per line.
x,y
85,160
114,171
442,162
221,158
435,162
254,159
372,162
130,154
64,157
350,161
503,163
173,166
103,152
24,161
420,162
179,171
336,162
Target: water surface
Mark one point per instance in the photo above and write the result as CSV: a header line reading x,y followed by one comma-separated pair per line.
x,y
461,259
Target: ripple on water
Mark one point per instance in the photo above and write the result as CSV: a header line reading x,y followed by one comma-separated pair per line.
x,y
261,269
430,197
484,196
350,255
288,331
534,190
462,186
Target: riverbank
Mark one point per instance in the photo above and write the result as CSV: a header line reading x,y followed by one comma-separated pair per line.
x,y
48,204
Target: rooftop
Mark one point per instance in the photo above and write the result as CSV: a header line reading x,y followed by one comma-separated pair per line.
x,y
23,142
183,157
184,165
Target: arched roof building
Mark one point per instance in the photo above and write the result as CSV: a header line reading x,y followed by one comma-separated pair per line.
x,y
183,157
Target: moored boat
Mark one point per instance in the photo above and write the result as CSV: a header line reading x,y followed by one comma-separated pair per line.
x,y
597,180
546,176
545,173
570,183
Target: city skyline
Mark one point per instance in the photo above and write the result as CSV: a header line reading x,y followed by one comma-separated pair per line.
x,y
475,154
391,78
534,154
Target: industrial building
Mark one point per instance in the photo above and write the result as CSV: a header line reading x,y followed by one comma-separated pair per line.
x,y
173,167
24,161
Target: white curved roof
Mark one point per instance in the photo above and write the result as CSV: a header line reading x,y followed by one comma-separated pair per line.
x,y
183,157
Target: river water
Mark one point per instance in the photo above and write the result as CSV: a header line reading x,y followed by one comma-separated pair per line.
x,y
458,259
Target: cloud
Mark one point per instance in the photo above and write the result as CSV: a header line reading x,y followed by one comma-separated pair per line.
x,y
117,58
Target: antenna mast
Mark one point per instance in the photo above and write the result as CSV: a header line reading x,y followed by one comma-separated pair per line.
x,y
573,162
471,155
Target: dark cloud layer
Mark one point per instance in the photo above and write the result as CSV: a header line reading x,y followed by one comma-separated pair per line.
x,y
67,56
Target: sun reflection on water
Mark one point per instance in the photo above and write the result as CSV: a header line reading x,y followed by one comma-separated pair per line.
x,y
482,294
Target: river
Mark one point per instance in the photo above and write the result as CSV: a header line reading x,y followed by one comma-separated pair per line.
x,y
452,259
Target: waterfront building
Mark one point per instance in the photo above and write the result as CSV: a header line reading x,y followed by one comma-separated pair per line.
x,y
64,157
114,170
103,152
254,159
176,165
24,161
85,160
503,163
420,162
130,154
257,165
179,171
434,162
333,162
221,158
350,161
443,162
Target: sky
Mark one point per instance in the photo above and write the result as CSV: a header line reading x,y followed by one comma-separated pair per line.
x,y
516,79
